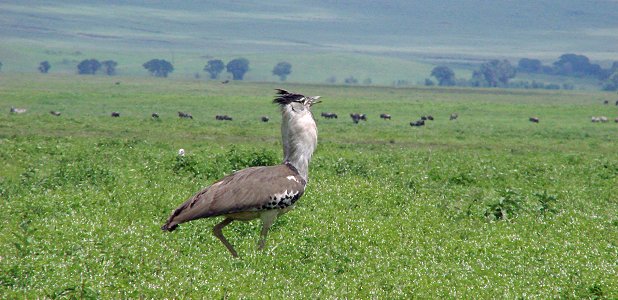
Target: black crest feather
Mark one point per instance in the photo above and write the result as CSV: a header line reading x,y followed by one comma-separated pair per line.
x,y
284,97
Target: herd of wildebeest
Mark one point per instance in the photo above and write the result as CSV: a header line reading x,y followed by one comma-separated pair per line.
x,y
356,117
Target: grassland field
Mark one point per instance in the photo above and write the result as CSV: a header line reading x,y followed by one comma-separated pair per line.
x,y
487,206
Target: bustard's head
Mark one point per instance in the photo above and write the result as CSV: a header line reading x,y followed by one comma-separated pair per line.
x,y
295,104
299,132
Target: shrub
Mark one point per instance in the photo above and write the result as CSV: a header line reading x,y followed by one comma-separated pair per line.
x,y
505,207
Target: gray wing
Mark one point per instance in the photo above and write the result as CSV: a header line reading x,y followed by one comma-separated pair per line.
x,y
250,189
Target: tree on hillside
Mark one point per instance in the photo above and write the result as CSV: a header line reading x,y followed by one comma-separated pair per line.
x,y
282,69
611,84
238,67
444,75
44,67
576,65
493,73
214,67
109,67
88,66
158,67
529,65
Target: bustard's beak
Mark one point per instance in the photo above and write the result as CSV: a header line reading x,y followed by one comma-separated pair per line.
x,y
315,100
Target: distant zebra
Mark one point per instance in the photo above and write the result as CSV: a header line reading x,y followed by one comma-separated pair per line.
x,y
534,119
55,113
223,118
329,115
155,115
18,110
184,115
265,119
385,116
115,114
453,116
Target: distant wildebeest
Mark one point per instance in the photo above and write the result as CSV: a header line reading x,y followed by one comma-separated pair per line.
x,y
616,102
329,115
225,81
385,116
18,110
117,82
357,117
184,115
55,113
453,116
115,114
155,115
534,119
265,119
427,117
417,123
606,102
223,118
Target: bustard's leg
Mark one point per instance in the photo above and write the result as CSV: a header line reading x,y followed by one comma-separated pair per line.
x,y
217,231
268,218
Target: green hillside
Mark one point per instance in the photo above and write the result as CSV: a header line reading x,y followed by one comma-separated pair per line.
x,y
386,42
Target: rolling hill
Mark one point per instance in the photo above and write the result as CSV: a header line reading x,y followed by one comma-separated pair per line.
x,y
383,41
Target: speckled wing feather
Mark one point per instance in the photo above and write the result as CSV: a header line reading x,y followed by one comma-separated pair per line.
x,y
251,189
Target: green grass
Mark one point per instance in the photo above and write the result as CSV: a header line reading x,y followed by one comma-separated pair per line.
x,y
487,206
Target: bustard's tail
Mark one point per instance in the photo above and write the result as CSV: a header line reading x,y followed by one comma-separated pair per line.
x,y
172,224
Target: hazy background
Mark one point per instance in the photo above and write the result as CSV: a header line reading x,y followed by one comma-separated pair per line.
x,y
384,41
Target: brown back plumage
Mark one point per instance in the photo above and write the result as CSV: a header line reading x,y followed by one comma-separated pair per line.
x,y
251,189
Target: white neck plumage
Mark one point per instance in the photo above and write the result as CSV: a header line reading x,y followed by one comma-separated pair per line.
x,y
300,138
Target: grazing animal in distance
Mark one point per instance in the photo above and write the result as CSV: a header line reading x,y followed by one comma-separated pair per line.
x,y
181,152
616,102
603,119
225,81
595,119
265,119
184,115
357,117
223,118
616,120
260,192
329,115
453,116
155,115
534,119
385,116
606,102
55,113
417,123
115,114
15,110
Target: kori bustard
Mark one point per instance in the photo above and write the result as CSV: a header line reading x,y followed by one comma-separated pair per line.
x,y
260,192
